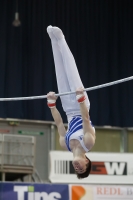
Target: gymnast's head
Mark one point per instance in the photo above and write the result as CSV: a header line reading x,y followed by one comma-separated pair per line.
x,y
82,167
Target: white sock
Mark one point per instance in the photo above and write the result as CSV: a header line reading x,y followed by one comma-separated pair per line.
x,y
57,32
50,33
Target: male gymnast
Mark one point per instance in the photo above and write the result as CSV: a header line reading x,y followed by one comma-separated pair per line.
x,y
80,137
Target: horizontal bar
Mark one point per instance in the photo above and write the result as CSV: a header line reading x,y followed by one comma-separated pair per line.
x,y
67,93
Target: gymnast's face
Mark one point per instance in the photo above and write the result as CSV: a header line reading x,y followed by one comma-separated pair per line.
x,y
80,165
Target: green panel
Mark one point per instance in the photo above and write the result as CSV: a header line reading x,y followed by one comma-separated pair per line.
x,y
130,142
107,140
27,132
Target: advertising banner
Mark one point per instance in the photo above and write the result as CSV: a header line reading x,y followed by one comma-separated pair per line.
x,y
101,192
107,168
17,191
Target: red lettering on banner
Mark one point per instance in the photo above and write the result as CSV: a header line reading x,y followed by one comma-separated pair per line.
x,y
119,192
98,168
108,191
99,190
113,191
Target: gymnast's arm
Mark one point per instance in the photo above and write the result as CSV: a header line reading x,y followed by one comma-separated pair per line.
x,y
89,131
55,113
87,127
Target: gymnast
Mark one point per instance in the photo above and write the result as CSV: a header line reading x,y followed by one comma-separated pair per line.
x,y
80,137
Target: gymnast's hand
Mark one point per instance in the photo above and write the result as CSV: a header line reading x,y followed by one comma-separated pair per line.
x,y
80,91
51,96
80,96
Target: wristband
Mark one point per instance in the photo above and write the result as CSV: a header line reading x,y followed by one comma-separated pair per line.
x,y
51,103
80,98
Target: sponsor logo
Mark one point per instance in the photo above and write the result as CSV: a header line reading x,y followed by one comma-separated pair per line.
x,y
81,193
109,168
80,137
29,193
101,192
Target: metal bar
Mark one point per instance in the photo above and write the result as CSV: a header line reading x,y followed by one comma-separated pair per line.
x,y
124,141
3,176
66,93
52,137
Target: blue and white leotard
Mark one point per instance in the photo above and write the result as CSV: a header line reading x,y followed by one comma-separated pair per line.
x,y
75,131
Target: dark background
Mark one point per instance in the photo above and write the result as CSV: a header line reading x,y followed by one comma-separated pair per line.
x,y
100,36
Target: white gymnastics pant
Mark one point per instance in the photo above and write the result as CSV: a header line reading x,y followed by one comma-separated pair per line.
x,y
67,75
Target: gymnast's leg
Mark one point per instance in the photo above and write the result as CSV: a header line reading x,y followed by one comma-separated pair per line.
x,y
70,68
62,81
